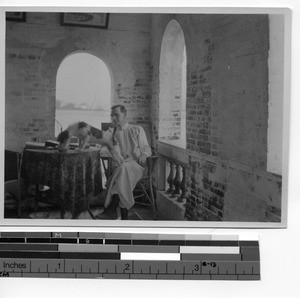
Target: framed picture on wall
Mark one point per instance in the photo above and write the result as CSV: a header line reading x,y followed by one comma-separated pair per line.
x,y
96,20
16,16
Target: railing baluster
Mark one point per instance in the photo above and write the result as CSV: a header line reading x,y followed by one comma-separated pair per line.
x,y
176,182
183,186
170,179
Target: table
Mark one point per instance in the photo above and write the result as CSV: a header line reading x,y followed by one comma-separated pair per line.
x,y
73,176
107,162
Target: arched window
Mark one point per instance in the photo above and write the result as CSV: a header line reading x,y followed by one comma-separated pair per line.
x,y
83,91
172,87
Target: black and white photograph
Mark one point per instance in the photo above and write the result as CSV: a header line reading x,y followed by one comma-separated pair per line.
x,y
149,149
147,118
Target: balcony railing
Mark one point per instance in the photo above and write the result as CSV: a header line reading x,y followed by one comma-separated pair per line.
x,y
173,172
176,180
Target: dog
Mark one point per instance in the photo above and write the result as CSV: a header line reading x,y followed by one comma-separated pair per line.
x,y
88,134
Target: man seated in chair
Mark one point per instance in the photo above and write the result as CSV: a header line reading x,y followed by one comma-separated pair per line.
x,y
134,148
129,148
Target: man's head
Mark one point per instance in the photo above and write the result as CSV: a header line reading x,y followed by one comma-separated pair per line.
x,y
118,115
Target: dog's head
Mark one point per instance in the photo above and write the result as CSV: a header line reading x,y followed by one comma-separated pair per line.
x,y
64,139
63,136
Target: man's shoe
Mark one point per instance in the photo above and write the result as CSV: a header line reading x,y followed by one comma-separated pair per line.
x,y
111,211
124,214
107,214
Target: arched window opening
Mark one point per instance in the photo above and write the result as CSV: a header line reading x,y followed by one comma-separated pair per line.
x,y
83,91
172,80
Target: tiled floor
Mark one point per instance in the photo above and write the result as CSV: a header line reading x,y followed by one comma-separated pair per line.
x,y
137,212
46,211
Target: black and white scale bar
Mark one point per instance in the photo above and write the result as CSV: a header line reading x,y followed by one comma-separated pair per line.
x,y
130,269
129,256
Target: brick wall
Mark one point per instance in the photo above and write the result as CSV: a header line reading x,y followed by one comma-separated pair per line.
x,y
34,51
229,191
227,116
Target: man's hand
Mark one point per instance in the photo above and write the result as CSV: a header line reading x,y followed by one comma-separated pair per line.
x,y
142,160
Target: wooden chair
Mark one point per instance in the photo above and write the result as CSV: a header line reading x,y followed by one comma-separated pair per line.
x,y
144,187
143,193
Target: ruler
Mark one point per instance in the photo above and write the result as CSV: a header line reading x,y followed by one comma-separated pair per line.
x,y
128,256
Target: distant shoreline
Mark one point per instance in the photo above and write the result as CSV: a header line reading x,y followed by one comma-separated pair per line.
x,y
65,117
78,109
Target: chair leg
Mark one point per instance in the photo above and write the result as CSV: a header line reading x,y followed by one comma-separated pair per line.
x,y
151,197
88,207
